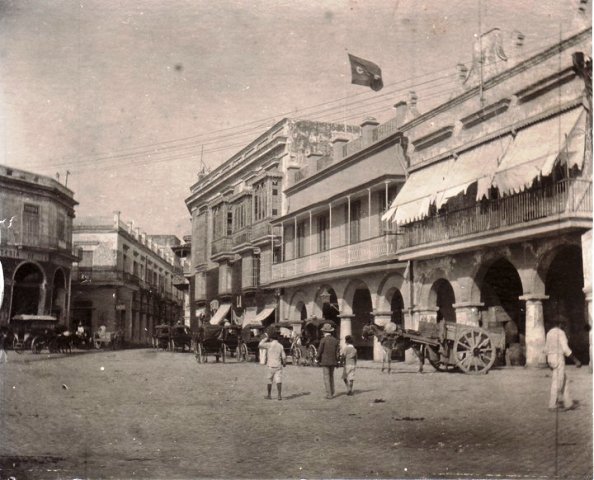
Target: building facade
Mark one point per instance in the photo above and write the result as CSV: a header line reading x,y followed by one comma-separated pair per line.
x,y
233,240
125,279
36,215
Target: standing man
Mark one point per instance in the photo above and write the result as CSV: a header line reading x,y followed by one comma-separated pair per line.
x,y
275,361
328,358
557,348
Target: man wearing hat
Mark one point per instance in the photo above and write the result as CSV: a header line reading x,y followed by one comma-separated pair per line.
x,y
328,358
557,348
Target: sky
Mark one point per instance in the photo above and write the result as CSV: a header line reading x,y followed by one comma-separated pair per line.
x,y
130,97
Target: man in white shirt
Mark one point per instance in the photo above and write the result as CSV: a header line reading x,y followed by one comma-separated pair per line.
x,y
557,348
275,361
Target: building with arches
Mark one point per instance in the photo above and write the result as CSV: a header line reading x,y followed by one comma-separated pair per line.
x,y
36,215
489,215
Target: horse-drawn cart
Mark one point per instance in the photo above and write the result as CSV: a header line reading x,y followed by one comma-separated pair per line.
x,y
447,345
310,338
223,341
34,332
102,338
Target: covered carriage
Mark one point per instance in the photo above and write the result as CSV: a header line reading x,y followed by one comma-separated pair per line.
x,y
310,338
223,341
34,332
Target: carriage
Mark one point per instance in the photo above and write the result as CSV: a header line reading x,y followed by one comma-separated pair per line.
x,y
34,332
251,334
310,338
104,339
160,337
223,341
180,337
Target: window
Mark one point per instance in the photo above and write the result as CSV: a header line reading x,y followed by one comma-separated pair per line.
x,y
87,258
229,228
301,238
61,227
383,207
260,201
30,222
323,232
355,222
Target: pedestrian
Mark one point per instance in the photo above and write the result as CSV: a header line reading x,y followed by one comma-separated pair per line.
x,y
348,354
328,358
3,337
557,348
275,362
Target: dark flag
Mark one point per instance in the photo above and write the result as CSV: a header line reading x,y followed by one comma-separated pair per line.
x,y
366,73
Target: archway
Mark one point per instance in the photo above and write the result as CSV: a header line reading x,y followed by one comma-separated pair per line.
x,y
442,294
500,292
27,295
563,284
362,308
59,295
397,317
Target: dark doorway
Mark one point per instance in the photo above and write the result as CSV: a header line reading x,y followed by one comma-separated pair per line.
x,y
563,285
362,309
397,307
445,299
26,296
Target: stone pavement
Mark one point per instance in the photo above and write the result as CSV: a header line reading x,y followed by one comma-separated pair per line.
x,y
151,414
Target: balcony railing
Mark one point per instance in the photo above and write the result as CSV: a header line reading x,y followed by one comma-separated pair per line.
x,y
567,196
242,236
365,251
24,239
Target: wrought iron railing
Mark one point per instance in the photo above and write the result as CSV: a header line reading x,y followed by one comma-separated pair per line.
x,y
567,196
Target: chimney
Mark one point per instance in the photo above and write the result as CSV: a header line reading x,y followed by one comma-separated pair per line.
x,y
137,233
116,219
412,105
338,143
131,227
367,128
401,109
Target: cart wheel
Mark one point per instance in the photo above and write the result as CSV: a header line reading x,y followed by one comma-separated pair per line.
x,y
474,351
199,353
312,354
224,352
432,354
97,344
172,345
242,352
296,354
17,345
36,345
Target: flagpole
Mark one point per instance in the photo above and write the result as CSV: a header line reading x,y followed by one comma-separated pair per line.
x,y
344,97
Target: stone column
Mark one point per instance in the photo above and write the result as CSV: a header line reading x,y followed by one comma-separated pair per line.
x,y
381,319
535,331
345,327
468,313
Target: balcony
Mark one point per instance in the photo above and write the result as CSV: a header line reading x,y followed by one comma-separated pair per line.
x,y
568,198
222,246
40,241
366,251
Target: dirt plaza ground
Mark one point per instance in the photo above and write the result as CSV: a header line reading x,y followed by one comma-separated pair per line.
x,y
156,414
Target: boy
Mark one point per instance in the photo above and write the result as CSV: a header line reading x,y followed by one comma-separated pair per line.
x,y
275,361
349,355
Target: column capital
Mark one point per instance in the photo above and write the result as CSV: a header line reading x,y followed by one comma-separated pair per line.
x,y
346,315
381,313
468,304
533,297
424,309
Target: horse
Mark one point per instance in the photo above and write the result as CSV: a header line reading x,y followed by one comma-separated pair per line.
x,y
393,341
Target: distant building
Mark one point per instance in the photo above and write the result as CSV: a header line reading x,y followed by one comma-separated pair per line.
x,y
125,278
36,215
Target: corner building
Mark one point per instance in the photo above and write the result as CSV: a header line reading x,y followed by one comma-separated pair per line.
x,y
36,215
233,240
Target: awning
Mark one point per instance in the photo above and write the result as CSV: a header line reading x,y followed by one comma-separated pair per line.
x,y
474,165
573,153
200,312
418,192
263,315
45,318
535,151
249,317
219,316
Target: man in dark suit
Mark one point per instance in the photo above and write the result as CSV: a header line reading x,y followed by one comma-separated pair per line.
x,y
328,358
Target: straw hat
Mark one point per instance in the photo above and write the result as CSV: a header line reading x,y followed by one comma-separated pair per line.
x,y
327,328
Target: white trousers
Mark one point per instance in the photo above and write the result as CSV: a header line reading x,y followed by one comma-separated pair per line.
x,y
559,383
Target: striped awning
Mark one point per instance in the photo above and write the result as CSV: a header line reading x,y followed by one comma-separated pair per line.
x,y
219,317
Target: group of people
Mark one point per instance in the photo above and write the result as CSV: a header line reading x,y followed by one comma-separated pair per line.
x,y
329,352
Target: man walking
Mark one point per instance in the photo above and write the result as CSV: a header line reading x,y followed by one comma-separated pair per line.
x,y
275,361
557,348
328,358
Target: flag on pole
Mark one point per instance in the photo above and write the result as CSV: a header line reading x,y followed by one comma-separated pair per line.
x,y
366,73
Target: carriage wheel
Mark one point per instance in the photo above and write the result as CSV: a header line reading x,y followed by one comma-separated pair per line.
x,y
224,352
17,345
36,345
474,351
97,344
312,354
173,345
296,355
432,354
242,352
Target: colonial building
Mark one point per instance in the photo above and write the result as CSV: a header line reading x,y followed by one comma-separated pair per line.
x,y
498,199
36,215
232,207
492,200
125,278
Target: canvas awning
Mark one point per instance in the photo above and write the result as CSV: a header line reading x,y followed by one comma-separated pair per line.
x,y
535,150
220,314
263,315
249,317
44,318
472,166
418,192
